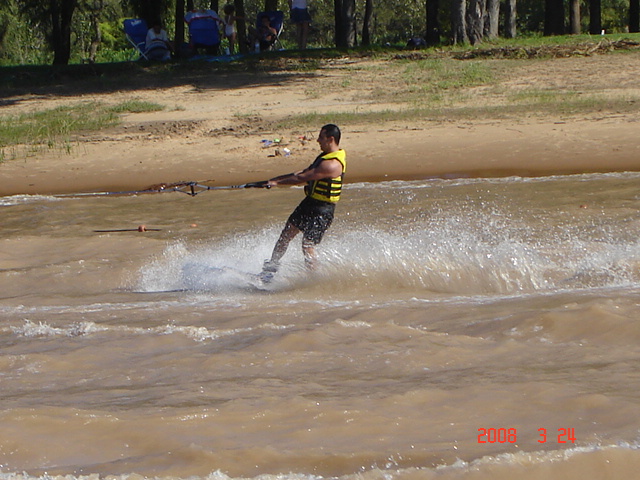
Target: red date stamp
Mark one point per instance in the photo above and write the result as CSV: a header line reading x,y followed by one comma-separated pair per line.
x,y
510,435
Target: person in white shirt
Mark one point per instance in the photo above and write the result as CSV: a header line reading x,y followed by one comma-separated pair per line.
x,y
157,44
230,26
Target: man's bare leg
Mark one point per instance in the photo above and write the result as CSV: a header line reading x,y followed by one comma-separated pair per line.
x,y
309,252
288,233
270,267
303,36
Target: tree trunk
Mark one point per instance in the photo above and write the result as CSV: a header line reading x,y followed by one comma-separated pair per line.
x,y
215,6
553,17
349,22
241,26
94,18
492,19
595,17
178,36
433,22
270,5
574,17
475,20
366,24
458,21
510,27
61,15
337,15
150,10
634,16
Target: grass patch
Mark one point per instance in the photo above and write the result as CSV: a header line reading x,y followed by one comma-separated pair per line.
x,y
543,105
247,116
431,81
55,128
136,106
49,126
535,96
445,74
426,81
554,102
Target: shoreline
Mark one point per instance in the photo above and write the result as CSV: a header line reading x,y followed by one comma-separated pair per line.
x,y
211,129
397,152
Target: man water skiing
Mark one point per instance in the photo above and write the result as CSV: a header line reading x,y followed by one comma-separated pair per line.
x,y
314,214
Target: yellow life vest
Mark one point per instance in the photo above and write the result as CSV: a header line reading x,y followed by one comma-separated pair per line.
x,y
327,189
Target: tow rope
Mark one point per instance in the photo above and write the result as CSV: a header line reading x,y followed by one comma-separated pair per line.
x,y
190,188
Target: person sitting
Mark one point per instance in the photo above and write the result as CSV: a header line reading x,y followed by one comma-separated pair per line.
x,y
201,13
265,35
157,44
204,25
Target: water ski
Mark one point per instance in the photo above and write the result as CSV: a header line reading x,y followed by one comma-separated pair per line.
x,y
204,277
252,280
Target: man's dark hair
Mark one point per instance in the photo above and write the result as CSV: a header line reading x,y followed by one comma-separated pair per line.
x,y
331,130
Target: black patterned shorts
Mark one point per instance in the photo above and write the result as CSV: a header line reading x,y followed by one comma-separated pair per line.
x,y
313,218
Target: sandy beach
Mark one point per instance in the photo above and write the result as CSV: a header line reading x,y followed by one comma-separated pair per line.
x,y
212,130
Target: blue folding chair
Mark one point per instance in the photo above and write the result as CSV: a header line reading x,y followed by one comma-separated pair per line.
x,y
204,31
135,29
276,20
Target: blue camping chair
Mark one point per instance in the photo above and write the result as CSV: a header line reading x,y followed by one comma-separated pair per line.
x,y
276,20
135,30
204,30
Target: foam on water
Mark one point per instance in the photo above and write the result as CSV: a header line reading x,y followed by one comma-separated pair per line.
x,y
439,307
596,461
212,268
453,253
24,199
197,333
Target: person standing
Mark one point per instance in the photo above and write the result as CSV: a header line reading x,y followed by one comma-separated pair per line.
x,y
301,17
230,26
314,214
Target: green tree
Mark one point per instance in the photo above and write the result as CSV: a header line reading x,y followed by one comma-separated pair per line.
x,y
20,43
96,23
150,10
54,17
616,16
42,31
